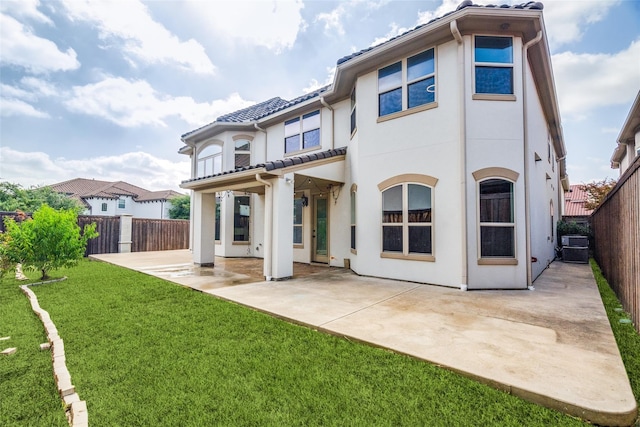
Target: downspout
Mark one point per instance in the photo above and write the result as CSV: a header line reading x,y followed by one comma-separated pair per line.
x,y
255,125
463,155
333,128
268,229
527,201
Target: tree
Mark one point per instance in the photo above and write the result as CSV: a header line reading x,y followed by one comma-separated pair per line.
x,y
597,191
180,207
50,240
13,197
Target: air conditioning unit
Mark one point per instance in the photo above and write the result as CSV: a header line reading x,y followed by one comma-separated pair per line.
x,y
574,240
575,254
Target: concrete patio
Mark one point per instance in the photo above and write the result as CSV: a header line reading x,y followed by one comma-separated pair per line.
x,y
552,345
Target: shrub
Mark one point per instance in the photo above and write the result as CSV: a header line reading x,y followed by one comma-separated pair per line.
x,y
50,240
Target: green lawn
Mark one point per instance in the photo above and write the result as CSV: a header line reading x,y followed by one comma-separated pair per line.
x,y
142,351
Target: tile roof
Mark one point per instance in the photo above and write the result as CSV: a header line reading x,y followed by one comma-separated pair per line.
x,y
574,200
280,164
81,188
466,3
261,110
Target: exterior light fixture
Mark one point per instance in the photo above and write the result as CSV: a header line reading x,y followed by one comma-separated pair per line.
x,y
305,200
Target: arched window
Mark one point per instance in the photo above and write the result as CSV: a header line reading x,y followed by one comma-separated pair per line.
x,y
407,217
497,223
243,153
210,161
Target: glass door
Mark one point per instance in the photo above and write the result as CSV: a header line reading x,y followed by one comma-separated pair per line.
x,y
320,230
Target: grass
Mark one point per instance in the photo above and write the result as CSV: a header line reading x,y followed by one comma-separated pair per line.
x,y
28,393
142,351
627,338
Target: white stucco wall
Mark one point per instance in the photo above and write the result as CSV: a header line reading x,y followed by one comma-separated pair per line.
x,y
425,143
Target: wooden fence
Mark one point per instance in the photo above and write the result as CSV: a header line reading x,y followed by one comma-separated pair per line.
x,y
159,234
146,234
616,228
108,228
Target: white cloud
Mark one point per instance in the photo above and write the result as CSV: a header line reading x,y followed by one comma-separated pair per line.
x,y
20,47
585,82
144,38
40,87
25,9
142,169
315,85
333,20
135,103
393,32
274,25
16,93
16,107
565,20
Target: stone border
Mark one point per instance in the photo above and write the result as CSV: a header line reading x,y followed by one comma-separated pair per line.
x,y
75,408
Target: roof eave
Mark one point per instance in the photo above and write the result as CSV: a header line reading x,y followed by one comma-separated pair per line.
x,y
632,123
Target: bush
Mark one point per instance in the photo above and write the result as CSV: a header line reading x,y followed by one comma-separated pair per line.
x,y
48,241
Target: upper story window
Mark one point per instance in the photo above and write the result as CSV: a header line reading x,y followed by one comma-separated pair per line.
x,y
353,111
302,132
121,203
210,161
398,90
104,207
243,153
493,65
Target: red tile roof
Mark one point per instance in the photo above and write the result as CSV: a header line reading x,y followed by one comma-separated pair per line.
x,y
574,200
81,188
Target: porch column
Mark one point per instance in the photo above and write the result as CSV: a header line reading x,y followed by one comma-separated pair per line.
x,y
204,228
282,244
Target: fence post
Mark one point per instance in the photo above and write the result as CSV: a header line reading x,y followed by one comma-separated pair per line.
x,y
124,243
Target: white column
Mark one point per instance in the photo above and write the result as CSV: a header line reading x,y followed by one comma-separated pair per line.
x,y
204,228
124,240
282,244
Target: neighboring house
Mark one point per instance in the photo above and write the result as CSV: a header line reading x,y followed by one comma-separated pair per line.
x,y
117,198
574,210
435,157
628,147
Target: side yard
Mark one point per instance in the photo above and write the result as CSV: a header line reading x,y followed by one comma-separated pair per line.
x,y
142,351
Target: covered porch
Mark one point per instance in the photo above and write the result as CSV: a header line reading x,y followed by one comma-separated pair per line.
x,y
312,179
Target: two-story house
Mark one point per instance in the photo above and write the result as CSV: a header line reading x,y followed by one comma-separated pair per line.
x,y
107,198
435,157
628,147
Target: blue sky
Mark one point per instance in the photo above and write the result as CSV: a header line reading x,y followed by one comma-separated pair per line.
x,y
105,89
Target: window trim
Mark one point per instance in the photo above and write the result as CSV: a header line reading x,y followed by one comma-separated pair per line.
x,y
103,207
301,225
122,203
353,220
506,175
237,138
404,86
218,144
301,132
494,96
353,118
241,242
405,180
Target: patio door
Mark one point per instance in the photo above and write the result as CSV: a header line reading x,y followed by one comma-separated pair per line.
x,y
320,246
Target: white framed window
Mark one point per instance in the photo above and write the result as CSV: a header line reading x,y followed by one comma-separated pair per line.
x,y
210,161
354,124
298,221
354,189
496,218
302,133
407,84
104,207
241,217
407,217
242,153
122,203
493,58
